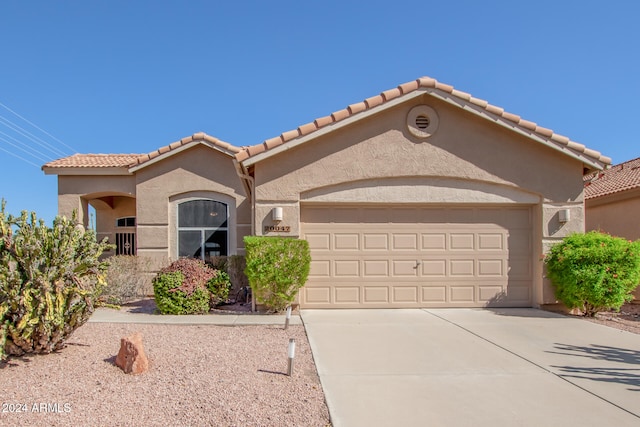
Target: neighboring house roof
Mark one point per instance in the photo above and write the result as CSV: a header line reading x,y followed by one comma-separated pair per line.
x,y
136,161
392,97
622,177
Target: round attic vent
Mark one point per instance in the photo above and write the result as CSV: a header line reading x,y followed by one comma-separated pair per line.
x,y
422,121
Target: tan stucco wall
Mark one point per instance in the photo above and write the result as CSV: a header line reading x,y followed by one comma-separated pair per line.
x,y
467,160
75,191
199,172
617,214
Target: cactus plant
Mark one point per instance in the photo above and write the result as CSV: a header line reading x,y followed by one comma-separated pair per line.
x,y
49,280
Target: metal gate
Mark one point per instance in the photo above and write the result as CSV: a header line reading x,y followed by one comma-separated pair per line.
x,y
125,243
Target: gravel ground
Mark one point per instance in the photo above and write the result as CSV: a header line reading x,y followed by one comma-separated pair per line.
x,y
200,375
627,319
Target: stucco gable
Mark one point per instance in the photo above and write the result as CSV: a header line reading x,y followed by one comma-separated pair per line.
x,y
404,93
185,143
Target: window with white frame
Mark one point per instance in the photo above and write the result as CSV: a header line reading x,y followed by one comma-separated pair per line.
x,y
202,229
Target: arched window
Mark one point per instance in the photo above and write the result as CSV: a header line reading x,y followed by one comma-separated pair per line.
x,y
202,229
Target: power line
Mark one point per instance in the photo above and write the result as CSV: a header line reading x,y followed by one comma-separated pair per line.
x,y
58,148
38,155
18,129
37,127
21,158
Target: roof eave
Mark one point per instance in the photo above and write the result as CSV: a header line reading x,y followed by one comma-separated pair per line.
x,y
79,171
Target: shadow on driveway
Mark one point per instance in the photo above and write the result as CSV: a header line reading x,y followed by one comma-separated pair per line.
x,y
622,375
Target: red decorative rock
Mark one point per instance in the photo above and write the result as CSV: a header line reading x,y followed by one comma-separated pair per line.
x,y
131,357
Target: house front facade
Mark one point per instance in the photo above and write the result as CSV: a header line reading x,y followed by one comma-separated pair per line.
x,y
421,196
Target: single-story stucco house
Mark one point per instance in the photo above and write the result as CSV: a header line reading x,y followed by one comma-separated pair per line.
x,y
612,200
421,196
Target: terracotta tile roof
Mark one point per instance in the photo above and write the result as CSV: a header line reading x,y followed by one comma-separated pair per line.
x,y
131,160
622,177
94,161
431,85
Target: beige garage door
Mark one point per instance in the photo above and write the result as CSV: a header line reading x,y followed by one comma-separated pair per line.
x,y
395,256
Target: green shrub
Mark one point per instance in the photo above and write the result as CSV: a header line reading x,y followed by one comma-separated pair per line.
x,y
218,287
127,279
189,286
277,267
171,298
594,271
234,266
49,281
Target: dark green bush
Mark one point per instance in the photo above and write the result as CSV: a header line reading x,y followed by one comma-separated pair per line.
x,y
189,286
50,279
594,271
171,298
218,287
277,267
234,266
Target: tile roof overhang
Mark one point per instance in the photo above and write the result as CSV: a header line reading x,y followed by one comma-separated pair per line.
x,y
618,179
127,164
593,160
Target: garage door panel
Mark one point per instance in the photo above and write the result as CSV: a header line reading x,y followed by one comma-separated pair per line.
x,y
488,293
376,294
404,268
490,267
375,241
519,218
462,294
347,295
434,294
519,292
519,242
461,241
519,267
405,241
376,268
373,215
470,257
490,241
319,241
434,241
347,268
320,268
462,267
346,241
346,215
405,294
434,267
317,295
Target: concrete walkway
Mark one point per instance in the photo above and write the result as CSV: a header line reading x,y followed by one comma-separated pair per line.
x,y
468,367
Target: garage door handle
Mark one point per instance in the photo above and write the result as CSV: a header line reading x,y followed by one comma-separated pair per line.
x,y
417,264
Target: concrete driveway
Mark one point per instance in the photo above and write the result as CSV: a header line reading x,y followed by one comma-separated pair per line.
x,y
473,367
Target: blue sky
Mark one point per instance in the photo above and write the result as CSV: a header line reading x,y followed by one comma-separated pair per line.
x,y
131,76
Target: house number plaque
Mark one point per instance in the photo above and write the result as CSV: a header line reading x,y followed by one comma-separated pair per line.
x,y
277,228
